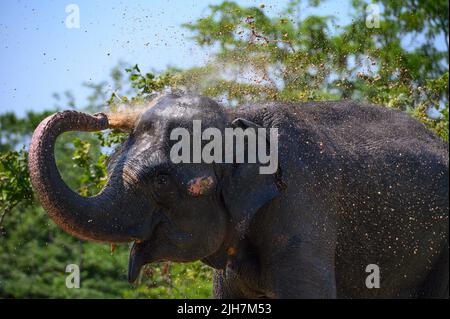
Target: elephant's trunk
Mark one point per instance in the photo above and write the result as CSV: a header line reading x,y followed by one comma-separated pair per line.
x,y
97,218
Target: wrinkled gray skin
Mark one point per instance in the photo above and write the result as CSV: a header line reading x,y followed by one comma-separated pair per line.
x,y
356,185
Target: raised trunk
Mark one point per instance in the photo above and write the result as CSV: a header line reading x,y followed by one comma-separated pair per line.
x,y
99,218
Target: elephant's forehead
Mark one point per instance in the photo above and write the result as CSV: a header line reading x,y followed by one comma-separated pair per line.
x,y
175,110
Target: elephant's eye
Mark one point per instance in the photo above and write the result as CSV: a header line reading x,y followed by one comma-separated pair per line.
x,y
161,180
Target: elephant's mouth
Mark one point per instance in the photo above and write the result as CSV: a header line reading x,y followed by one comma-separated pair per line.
x,y
137,259
140,253
149,250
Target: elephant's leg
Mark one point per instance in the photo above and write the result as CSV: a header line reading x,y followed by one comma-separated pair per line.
x,y
225,285
302,272
437,282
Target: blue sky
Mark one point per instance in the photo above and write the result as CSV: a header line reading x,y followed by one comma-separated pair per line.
x,y
39,55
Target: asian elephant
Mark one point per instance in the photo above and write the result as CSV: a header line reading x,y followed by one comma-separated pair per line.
x,y
360,194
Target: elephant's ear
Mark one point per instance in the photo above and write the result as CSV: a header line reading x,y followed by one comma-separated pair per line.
x,y
245,190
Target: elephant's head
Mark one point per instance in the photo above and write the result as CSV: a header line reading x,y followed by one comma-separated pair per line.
x,y
178,212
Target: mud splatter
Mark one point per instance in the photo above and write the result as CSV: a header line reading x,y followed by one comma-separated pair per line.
x,y
124,117
125,120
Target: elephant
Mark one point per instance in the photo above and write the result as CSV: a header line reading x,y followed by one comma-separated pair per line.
x,y
357,207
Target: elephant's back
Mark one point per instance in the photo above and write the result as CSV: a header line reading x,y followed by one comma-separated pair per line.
x,y
359,144
375,150
365,129
351,126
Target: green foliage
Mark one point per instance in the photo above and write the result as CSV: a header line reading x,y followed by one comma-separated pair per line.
x,y
147,83
14,182
167,280
257,57
13,129
94,172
